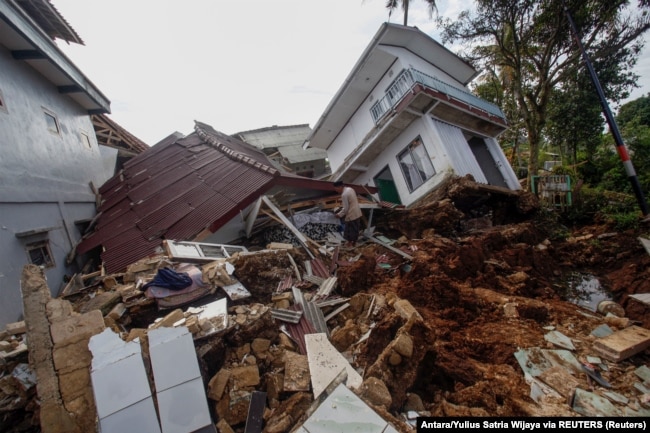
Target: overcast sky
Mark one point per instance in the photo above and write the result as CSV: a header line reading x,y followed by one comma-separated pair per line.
x,y
236,65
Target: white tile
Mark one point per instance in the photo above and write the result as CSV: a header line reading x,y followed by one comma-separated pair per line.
x,y
184,408
140,417
120,384
173,357
344,411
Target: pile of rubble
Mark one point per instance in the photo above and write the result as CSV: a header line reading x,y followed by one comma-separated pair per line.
x,y
452,314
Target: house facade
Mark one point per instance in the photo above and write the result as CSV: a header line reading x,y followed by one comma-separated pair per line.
x,y
283,146
50,157
404,120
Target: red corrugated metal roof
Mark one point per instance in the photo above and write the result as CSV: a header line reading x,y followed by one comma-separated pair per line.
x,y
179,188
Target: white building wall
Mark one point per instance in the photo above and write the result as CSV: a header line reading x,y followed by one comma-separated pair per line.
x,y
361,122
435,149
44,176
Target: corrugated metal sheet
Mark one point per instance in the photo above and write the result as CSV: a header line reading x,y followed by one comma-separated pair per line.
x,y
177,189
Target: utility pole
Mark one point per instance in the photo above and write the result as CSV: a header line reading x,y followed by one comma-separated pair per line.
x,y
620,146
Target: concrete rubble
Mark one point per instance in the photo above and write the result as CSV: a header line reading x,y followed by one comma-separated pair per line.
x,y
464,325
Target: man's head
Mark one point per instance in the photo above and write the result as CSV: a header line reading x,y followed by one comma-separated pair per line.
x,y
338,185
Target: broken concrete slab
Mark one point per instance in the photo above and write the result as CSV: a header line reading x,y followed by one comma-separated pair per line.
x,y
559,339
623,344
325,363
560,380
589,404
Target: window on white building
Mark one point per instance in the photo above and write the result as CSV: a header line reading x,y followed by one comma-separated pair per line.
x,y
416,164
39,254
85,139
52,122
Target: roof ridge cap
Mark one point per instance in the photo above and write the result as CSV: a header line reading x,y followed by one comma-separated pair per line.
x,y
232,154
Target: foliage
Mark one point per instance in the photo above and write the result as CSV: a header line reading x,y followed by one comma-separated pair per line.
x,y
528,45
391,5
595,205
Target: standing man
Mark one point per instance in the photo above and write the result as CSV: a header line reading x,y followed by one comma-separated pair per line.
x,y
351,212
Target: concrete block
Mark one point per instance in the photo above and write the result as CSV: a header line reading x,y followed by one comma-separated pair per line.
x,y
71,357
16,328
76,328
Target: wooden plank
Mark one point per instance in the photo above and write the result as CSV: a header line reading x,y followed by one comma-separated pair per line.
x,y
301,238
623,344
252,216
255,417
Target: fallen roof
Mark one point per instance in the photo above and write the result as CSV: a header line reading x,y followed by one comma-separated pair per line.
x,y
110,133
180,188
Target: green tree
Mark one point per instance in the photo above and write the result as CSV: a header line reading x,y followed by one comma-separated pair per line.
x,y
605,170
531,42
575,121
391,5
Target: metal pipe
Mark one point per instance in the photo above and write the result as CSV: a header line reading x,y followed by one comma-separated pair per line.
x,y
620,146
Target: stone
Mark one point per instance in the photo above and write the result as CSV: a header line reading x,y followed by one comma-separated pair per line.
x,y
16,328
57,309
55,419
395,358
246,376
103,302
376,392
169,320
286,342
117,312
274,385
77,327
224,427
403,344
405,309
74,384
260,345
234,408
413,402
218,383
71,357
242,352
296,372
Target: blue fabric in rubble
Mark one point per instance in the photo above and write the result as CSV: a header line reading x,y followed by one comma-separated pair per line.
x,y
169,279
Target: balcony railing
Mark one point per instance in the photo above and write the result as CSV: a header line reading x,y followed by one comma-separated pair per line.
x,y
410,77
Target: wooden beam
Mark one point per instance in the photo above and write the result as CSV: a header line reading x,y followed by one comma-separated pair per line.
x,y
301,238
393,249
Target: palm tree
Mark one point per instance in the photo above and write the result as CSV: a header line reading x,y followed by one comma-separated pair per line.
x,y
391,5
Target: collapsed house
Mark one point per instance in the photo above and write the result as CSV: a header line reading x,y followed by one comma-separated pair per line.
x,y
205,187
404,119
460,319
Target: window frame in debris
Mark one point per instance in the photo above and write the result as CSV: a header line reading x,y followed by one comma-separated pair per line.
x,y
417,174
46,254
52,122
201,251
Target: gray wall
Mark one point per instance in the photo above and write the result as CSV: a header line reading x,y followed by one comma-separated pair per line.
x,y
44,177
